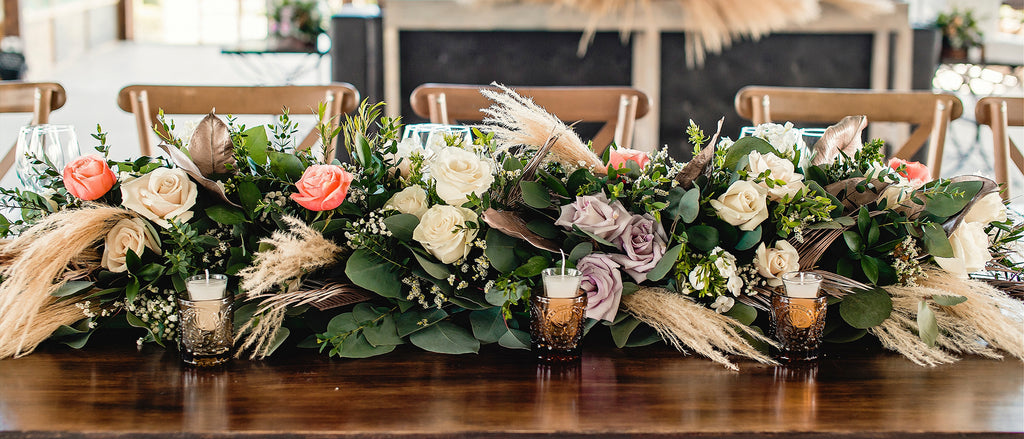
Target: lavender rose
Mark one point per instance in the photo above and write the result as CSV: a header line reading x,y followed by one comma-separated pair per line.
x,y
593,213
644,242
603,285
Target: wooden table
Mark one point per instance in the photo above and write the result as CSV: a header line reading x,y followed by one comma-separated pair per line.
x,y
114,390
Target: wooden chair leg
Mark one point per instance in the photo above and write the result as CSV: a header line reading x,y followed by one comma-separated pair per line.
x,y
1000,145
140,108
625,124
936,144
438,108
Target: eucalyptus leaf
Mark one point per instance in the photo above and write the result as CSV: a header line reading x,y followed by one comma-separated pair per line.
x,y
596,238
384,333
488,325
945,204
402,225
357,346
580,250
500,251
664,266
515,339
703,237
369,271
948,300
73,287
866,308
364,313
342,323
742,148
749,240
535,194
286,166
532,267
621,331
416,319
927,327
445,338
936,243
279,338
434,269
743,313
225,214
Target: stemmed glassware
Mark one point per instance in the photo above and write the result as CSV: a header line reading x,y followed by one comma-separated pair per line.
x,y
41,144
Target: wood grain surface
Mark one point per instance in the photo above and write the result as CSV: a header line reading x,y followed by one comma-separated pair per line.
x,y
114,390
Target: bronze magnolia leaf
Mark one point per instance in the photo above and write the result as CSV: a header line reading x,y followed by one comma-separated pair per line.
x,y
179,158
843,136
210,146
514,226
700,162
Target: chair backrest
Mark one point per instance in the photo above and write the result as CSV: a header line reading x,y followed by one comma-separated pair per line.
x,y
617,107
144,101
930,112
38,98
1000,113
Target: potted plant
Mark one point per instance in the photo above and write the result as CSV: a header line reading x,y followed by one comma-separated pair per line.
x,y
295,22
960,32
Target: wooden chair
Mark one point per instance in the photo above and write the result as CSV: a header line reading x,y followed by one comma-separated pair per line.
x,y
618,107
38,98
144,101
930,112
999,113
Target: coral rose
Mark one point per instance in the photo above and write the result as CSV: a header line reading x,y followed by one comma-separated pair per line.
x,y
88,177
322,187
618,157
914,171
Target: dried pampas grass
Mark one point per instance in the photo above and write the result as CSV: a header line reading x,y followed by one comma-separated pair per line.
x,y
516,120
987,321
59,248
682,322
294,253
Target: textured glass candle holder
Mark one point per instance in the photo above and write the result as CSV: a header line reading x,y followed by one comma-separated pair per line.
x,y
206,331
798,323
556,327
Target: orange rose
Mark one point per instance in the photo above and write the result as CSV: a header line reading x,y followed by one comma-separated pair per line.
x,y
914,171
322,187
88,177
618,157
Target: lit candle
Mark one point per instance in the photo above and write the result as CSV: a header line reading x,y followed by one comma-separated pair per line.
x,y
801,284
207,291
561,283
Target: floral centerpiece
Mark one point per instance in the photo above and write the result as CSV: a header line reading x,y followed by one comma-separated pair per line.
x,y
440,246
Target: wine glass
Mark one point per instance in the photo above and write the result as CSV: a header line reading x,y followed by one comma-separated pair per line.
x,y
53,144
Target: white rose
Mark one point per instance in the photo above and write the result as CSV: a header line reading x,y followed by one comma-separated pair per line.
x,y
412,200
459,173
986,210
771,263
744,204
442,231
406,148
781,169
970,250
784,138
161,195
127,234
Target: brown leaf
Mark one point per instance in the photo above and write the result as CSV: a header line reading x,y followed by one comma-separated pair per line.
x,y
843,136
179,158
210,146
699,162
514,226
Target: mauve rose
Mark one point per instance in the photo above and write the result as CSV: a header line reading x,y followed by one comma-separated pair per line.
x,y
618,157
593,214
644,243
915,171
603,285
322,187
88,177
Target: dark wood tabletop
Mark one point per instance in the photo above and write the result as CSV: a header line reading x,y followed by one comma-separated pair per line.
x,y
115,390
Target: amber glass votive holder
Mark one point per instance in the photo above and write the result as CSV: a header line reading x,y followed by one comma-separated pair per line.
x,y
207,329
557,317
798,322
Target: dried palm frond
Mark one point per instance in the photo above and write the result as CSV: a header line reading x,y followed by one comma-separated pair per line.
x,y
518,121
59,248
988,320
682,322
